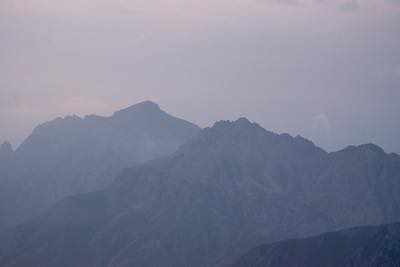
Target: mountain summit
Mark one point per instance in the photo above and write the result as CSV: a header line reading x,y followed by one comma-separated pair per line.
x,y
232,187
145,106
73,155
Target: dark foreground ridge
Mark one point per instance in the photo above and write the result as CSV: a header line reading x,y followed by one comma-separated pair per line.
x,y
363,246
231,188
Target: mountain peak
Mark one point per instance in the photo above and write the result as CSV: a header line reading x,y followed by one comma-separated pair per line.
x,y
224,133
145,106
244,122
372,147
239,123
364,148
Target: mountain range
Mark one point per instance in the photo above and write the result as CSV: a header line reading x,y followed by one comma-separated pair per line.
x,y
232,187
74,155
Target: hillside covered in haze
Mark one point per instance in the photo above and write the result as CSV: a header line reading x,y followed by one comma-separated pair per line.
x,y
74,155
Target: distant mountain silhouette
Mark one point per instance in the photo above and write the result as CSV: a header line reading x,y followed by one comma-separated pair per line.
x,y
231,188
363,246
74,155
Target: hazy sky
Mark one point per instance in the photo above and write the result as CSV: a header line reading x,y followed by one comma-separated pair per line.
x,y
326,69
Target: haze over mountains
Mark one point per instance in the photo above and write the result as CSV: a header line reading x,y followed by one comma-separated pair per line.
x,y
137,187
230,188
74,155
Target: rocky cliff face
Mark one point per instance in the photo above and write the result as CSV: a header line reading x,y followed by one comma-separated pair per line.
x,y
233,187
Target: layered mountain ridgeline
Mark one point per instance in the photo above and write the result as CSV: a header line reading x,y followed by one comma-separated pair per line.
x,y
363,246
74,155
231,188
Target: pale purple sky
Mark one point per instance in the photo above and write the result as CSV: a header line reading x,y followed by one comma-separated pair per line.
x,y
326,69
